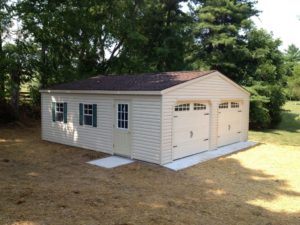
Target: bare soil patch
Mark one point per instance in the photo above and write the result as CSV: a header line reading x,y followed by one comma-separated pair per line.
x,y
44,183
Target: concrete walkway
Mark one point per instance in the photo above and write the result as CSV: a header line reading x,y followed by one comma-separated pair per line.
x,y
205,156
111,162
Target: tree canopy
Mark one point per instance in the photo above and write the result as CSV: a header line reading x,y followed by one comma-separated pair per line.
x,y
66,40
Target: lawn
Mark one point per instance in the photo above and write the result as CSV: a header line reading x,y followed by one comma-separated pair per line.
x,y
44,183
288,131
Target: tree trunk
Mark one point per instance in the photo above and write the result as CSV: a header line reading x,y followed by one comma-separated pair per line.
x,y
43,69
15,93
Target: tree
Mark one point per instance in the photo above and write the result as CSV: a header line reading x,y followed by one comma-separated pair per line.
x,y
265,62
78,39
227,40
265,70
158,38
292,54
293,83
19,65
220,34
5,24
292,57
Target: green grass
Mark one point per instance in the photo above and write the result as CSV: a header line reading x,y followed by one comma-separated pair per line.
x,y
287,132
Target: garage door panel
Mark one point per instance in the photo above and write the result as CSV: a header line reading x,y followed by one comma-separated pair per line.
x,y
184,136
229,125
186,125
190,148
190,131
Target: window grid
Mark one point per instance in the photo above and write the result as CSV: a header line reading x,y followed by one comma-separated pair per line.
x,y
123,116
223,105
59,111
88,114
182,107
235,105
198,106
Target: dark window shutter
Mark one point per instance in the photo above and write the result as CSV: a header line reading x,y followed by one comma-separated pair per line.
x,y
94,115
53,111
65,112
80,114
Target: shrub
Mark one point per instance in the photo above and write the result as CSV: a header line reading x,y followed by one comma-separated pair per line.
x,y
265,105
35,96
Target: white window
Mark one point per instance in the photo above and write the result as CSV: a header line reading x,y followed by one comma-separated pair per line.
x,y
198,106
182,107
88,114
235,105
223,105
59,111
123,116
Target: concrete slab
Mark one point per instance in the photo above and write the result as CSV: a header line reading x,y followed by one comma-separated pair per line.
x,y
111,162
205,156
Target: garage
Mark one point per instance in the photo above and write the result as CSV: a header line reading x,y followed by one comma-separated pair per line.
x,y
229,122
154,117
190,129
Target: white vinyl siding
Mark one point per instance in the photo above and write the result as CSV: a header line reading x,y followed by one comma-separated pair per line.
x,y
146,127
145,132
72,133
214,89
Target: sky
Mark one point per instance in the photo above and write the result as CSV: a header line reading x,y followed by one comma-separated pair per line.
x,y
281,18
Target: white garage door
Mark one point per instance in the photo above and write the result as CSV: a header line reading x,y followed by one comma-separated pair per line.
x,y
229,123
190,129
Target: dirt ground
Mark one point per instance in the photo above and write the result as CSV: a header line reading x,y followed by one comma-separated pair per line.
x,y
43,183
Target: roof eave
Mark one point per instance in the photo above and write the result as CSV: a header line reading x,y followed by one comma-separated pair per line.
x,y
104,92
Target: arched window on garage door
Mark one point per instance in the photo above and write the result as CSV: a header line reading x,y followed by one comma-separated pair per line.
x,y
223,105
235,105
198,106
182,107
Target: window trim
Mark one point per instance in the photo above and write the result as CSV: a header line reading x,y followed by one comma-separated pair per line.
x,y
84,114
117,116
59,112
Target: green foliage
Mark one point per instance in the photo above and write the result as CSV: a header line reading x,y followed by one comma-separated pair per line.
x,y
292,58
5,24
292,54
69,40
19,62
265,62
220,32
230,43
79,39
293,83
157,39
35,95
265,105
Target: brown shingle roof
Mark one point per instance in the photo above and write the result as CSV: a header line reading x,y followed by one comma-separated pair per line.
x,y
138,82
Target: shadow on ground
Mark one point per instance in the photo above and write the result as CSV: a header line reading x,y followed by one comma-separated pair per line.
x,y
44,183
